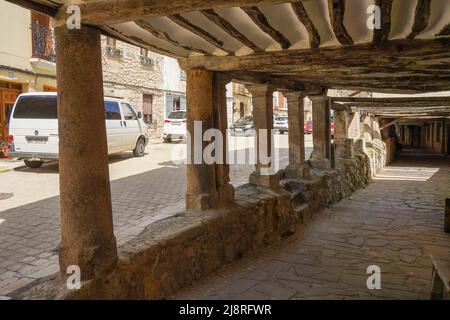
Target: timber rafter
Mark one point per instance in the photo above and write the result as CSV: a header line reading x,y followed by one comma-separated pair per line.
x,y
261,21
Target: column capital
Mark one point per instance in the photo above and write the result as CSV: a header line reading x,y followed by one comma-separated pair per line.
x,y
293,94
261,89
318,98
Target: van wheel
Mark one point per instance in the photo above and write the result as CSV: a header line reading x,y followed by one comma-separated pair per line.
x,y
139,151
33,163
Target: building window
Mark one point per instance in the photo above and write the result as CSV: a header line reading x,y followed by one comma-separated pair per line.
x,y
145,58
43,38
47,88
111,48
175,103
147,107
111,42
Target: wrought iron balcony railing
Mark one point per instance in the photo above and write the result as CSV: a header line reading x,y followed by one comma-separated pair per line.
x,y
43,42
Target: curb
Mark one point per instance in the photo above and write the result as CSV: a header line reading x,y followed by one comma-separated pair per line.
x,y
3,170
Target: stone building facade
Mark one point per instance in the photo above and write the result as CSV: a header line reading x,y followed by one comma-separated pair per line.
x,y
136,75
242,101
174,86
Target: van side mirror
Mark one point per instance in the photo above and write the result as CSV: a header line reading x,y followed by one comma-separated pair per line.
x,y
140,115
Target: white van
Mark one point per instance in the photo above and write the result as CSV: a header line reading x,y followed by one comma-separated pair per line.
x,y
33,128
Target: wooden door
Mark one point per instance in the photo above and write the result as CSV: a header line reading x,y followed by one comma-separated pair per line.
x,y
7,99
148,108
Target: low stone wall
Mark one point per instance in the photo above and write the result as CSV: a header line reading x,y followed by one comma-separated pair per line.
x,y
176,251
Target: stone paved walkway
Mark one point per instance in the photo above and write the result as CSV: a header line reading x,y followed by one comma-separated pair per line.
x,y
30,234
395,223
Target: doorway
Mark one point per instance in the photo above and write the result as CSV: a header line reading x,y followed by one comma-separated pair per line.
x,y
8,95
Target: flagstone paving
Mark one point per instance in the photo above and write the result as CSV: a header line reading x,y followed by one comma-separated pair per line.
x,y
395,223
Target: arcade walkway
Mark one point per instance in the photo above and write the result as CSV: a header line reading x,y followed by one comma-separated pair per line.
x,y
395,223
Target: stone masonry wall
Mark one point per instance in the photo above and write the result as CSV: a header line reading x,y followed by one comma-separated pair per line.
x,y
127,78
173,253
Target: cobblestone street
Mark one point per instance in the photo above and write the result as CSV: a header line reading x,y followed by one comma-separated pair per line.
x,y
144,190
395,223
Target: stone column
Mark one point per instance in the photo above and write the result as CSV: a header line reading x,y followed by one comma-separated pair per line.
x,y
225,189
262,97
297,167
368,132
87,238
344,147
321,155
353,125
201,191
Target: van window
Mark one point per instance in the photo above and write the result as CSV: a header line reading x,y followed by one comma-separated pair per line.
x,y
128,112
45,107
178,115
112,111
36,107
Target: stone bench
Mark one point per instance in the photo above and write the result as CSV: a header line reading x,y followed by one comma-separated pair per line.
x,y
441,278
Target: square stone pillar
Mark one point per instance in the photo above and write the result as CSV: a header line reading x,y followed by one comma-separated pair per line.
x,y
262,98
321,155
354,125
225,189
340,124
344,147
297,167
87,238
201,190
368,129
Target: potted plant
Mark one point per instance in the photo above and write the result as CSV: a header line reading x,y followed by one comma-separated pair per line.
x,y
3,149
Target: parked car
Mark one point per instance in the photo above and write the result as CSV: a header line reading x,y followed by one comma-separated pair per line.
x,y
33,129
308,127
243,126
175,126
281,124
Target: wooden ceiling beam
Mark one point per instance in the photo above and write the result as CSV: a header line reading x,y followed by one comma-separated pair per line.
x,y
400,66
382,34
302,15
36,6
422,15
136,41
107,12
445,31
261,21
160,34
337,11
186,24
259,78
228,27
394,100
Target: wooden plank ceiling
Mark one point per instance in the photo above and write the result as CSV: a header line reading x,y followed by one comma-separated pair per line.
x,y
299,45
397,107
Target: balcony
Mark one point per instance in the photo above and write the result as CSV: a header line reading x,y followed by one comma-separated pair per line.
x,y
43,56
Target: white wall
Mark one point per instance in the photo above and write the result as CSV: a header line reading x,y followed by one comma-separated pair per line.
x,y
173,84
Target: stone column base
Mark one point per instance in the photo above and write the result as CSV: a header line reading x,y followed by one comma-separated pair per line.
x,y
200,201
265,181
317,161
345,149
297,171
226,193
